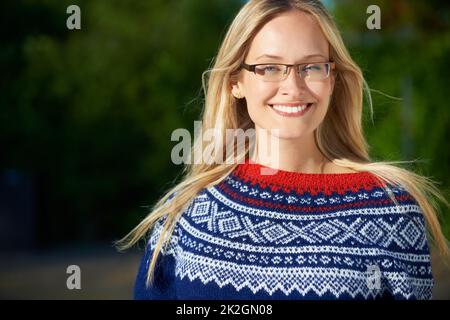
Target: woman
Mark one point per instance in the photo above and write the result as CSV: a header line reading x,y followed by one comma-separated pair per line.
x,y
313,219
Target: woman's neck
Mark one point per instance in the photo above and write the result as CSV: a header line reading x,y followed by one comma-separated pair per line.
x,y
294,155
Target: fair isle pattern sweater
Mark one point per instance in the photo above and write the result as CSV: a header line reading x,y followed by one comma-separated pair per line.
x,y
293,235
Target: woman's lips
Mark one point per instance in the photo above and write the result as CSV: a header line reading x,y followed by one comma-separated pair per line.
x,y
286,113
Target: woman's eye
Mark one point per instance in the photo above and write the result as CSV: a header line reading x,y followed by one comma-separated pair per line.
x,y
312,67
271,69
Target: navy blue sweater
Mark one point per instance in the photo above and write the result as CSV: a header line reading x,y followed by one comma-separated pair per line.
x,y
293,236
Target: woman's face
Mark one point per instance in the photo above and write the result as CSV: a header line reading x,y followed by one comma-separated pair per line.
x,y
295,38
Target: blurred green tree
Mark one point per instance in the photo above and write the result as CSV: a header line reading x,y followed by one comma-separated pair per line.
x,y
89,112
408,59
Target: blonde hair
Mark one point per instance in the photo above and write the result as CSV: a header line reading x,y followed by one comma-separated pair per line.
x,y
339,137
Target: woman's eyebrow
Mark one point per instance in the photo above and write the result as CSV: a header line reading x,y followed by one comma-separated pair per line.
x,y
281,58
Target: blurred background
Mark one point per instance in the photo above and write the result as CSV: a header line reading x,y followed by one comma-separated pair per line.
x,y
86,117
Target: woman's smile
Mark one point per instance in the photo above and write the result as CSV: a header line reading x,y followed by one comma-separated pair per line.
x,y
291,111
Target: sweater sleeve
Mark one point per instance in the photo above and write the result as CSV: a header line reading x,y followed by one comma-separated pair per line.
x,y
162,287
407,265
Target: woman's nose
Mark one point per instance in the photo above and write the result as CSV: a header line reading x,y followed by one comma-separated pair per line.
x,y
293,81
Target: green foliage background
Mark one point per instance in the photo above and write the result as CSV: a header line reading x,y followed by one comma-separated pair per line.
x,y
88,113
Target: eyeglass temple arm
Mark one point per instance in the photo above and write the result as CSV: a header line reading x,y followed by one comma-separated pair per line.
x,y
248,67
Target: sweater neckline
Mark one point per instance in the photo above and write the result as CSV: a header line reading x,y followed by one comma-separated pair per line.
x,y
300,182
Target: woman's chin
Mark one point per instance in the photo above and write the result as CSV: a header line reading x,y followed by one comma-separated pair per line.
x,y
287,134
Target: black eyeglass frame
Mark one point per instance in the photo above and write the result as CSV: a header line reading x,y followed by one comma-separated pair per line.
x,y
252,67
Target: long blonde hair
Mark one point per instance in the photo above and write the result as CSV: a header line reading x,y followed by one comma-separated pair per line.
x,y
339,137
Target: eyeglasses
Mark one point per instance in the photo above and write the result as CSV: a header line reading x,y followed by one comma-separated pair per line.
x,y
275,72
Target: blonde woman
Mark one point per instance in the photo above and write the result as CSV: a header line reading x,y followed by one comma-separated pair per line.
x,y
313,219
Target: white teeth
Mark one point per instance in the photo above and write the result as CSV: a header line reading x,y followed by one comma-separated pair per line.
x,y
290,109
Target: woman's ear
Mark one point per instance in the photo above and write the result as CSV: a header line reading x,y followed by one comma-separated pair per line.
x,y
236,91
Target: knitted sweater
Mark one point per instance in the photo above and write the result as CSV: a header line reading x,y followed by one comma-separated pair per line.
x,y
293,236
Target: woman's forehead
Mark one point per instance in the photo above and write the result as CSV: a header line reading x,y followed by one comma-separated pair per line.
x,y
291,35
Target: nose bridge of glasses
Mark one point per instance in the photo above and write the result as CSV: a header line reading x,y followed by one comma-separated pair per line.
x,y
297,69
